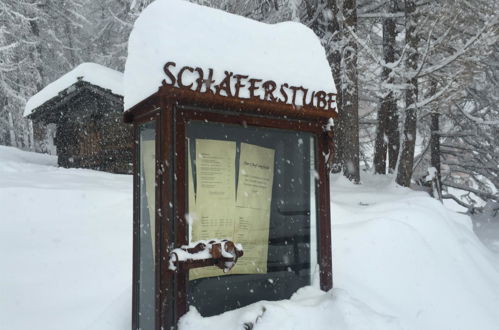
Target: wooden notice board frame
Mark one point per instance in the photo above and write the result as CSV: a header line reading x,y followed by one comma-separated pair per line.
x,y
171,108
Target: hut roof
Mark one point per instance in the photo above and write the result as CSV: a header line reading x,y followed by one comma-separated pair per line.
x,y
85,74
198,36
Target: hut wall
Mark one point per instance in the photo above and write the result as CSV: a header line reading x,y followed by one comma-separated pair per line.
x,y
91,134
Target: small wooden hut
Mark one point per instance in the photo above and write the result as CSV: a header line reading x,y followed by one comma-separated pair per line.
x,y
86,105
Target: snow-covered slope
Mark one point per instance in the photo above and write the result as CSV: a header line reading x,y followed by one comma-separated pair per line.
x,y
401,260
405,255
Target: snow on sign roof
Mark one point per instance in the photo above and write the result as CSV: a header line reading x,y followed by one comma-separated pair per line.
x,y
202,37
92,73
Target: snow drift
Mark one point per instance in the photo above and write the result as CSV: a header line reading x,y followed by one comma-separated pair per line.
x,y
401,260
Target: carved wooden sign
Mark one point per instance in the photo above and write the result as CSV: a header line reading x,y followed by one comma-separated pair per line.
x,y
194,78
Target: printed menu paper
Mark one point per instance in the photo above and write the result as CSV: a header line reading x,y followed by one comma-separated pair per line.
x,y
218,212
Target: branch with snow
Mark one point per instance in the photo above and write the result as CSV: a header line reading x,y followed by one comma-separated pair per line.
x,y
462,51
477,120
479,193
432,98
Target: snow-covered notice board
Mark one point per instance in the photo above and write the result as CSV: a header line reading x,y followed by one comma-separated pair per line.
x,y
232,133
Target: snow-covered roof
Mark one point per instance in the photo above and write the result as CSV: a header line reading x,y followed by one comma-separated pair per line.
x,y
197,36
92,73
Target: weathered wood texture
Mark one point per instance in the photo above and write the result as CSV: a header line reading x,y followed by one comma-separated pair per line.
x,y
90,130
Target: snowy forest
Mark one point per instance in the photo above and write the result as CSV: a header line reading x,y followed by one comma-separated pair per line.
x,y
418,81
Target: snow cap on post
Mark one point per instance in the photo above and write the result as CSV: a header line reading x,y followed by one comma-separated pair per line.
x,y
195,36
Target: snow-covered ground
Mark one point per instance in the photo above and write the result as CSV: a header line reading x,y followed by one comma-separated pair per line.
x,y
65,245
401,260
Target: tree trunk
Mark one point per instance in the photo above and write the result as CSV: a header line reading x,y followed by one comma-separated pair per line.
x,y
35,30
334,59
435,147
12,130
393,135
392,126
406,162
310,6
38,130
387,134
380,144
71,46
350,102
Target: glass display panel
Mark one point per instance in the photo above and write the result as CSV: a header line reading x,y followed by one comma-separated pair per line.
x,y
146,235
254,186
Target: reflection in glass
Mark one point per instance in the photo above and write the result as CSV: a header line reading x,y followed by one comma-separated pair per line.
x,y
255,185
146,283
